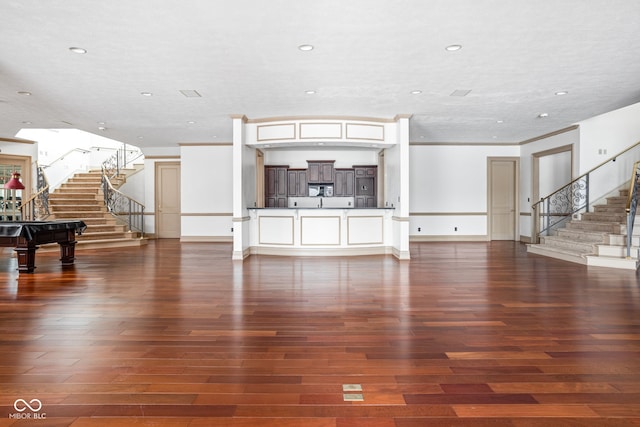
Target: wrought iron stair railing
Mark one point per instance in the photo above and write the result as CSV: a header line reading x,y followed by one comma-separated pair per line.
x,y
632,204
37,206
553,211
122,158
125,209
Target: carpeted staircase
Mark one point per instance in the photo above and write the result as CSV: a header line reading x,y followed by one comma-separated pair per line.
x,y
81,198
598,238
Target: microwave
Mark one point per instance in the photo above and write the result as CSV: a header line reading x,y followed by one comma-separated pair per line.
x,y
324,190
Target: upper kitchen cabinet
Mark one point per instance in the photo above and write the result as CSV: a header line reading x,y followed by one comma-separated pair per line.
x,y
320,171
297,183
344,181
365,183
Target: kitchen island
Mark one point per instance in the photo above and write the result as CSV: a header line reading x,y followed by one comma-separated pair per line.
x,y
326,231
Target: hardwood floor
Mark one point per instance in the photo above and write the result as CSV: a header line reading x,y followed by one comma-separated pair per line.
x,y
464,334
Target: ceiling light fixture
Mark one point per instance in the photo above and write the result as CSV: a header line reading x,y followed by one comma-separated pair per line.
x,y
190,93
146,94
310,92
453,47
191,122
543,115
102,128
26,122
305,47
562,92
416,92
78,50
499,121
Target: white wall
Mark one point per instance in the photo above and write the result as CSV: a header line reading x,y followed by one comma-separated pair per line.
x,y
206,193
448,188
614,132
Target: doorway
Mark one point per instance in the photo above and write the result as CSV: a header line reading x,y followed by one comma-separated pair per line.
x,y
167,200
503,198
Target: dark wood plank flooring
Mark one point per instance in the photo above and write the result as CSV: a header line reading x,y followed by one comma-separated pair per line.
x,y
464,334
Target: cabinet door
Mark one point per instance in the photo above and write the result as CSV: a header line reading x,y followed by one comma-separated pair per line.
x,y
292,183
326,172
302,184
349,183
338,183
313,172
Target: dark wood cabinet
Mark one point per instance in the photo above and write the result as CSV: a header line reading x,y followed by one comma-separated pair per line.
x,y
320,171
344,183
275,180
366,186
297,183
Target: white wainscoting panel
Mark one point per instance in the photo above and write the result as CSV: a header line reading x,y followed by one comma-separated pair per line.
x,y
320,230
365,230
276,230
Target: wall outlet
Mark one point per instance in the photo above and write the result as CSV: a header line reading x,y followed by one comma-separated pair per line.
x,y
419,229
455,228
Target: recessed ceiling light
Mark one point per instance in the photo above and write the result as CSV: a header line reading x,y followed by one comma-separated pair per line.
x,y
499,121
191,122
320,143
146,94
102,128
140,137
416,92
562,92
305,47
543,115
310,92
78,50
26,122
453,47
25,93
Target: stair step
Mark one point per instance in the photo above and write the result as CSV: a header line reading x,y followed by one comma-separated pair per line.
x,y
619,251
613,262
77,208
103,235
607,227
558,253
80,215
575,246
582,235
604,217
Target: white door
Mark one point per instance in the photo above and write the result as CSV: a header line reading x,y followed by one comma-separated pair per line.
x,y
502,199
168,200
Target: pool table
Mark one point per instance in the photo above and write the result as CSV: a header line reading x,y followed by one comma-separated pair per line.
x,y
25,236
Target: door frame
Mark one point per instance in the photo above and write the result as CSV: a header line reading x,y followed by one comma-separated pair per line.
x,y
535,179
516,199
158,191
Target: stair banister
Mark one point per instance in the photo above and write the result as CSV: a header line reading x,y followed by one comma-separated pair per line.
x,y
573,196
632,203
122,206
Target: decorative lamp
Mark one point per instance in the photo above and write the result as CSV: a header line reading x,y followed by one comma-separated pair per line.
x,y
14,183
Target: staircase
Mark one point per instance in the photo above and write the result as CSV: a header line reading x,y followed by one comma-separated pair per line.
x,y
81,198
597,238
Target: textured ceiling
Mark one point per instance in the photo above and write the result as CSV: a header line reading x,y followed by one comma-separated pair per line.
x,y
242,56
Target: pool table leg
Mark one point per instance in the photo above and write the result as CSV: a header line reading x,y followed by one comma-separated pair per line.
x,y
26,255
67,252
